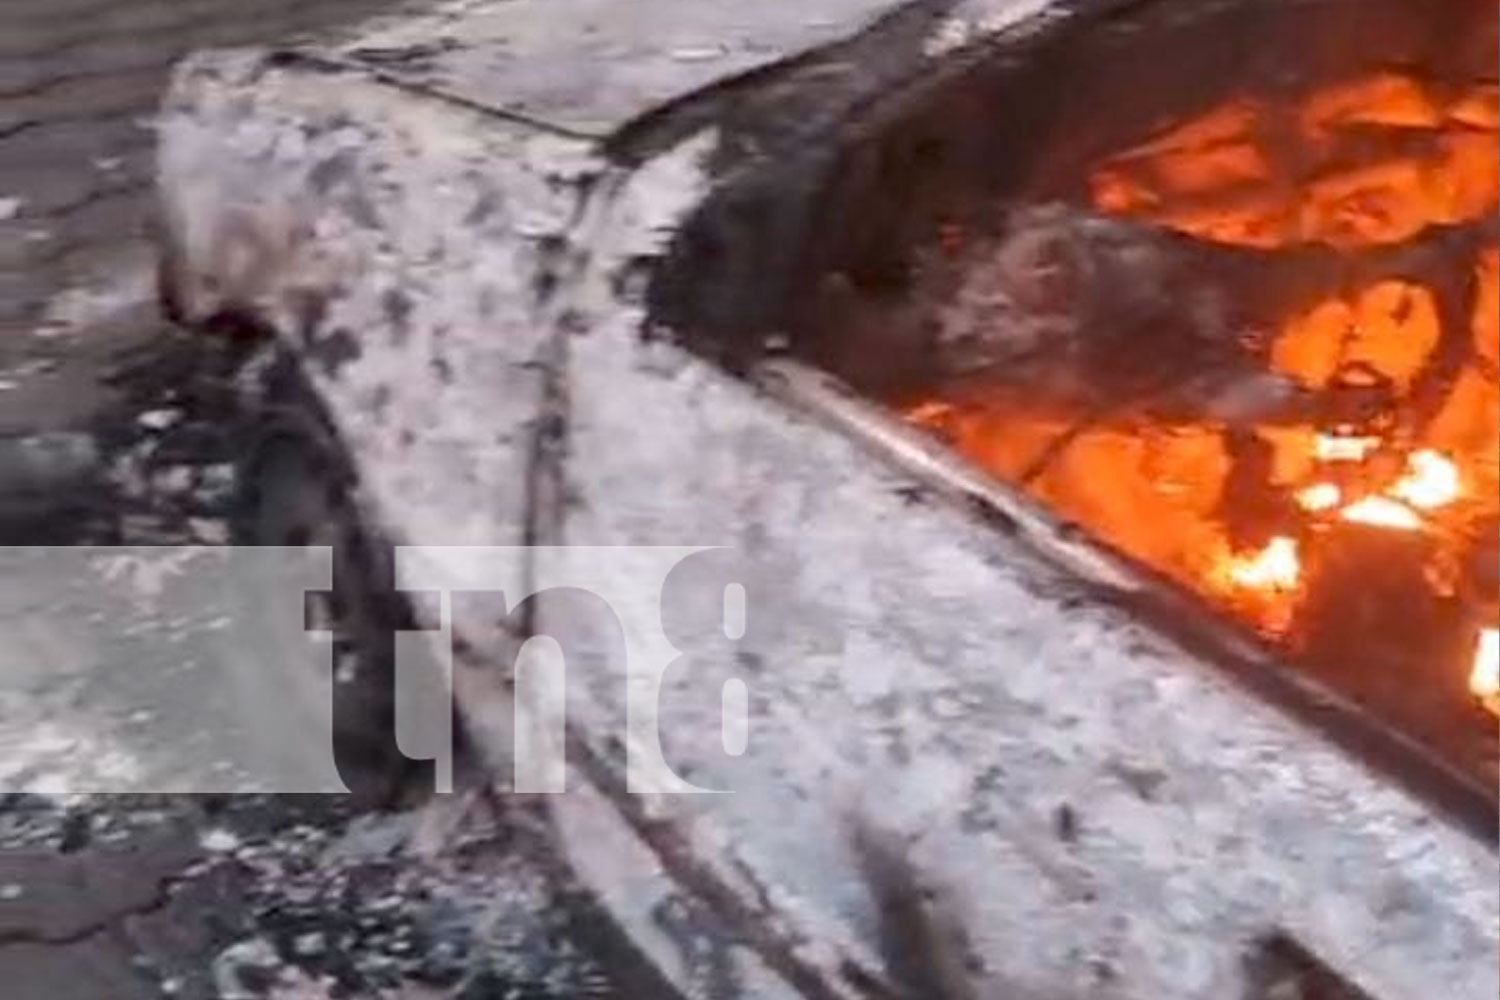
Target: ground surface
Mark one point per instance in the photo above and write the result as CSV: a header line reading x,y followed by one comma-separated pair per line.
x,y
79,84
220,898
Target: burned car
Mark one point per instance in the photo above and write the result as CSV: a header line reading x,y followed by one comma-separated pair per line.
x,y
1096,403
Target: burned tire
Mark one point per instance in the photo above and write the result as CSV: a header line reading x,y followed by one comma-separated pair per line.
x,y
297,491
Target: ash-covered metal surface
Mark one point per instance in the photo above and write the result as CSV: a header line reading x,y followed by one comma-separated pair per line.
x,y
579,65
1109,816
346,178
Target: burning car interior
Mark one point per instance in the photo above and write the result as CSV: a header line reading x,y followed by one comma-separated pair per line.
x,y
1221,291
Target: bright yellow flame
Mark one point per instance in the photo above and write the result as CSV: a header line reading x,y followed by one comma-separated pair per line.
x,y
1320,497
1341,448
1276,567
1431,480
931,412
1484,679
1383,512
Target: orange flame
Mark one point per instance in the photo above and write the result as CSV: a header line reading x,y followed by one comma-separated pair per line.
x,y
1383,512
1320,497
1275,567
1431,481
1370,160
1484,678
1342,448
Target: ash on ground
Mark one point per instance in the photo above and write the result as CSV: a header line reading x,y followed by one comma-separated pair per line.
x,y
297,898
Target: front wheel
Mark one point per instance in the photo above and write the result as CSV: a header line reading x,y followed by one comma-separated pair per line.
x,y
295,492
